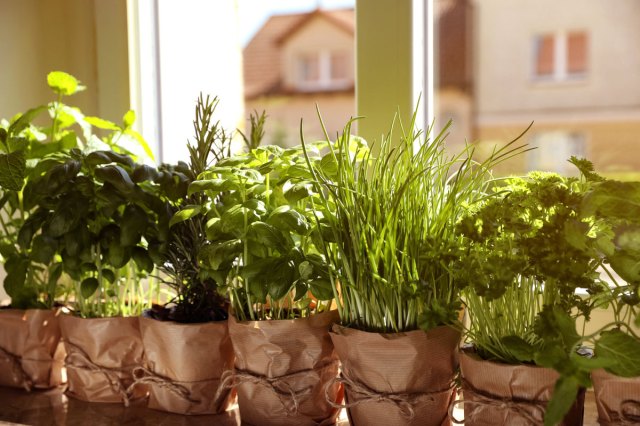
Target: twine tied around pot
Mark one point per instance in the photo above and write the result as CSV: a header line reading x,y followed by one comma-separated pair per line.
x,y
279,385
77,358
521,408
16,367
142,375
628,414
404,401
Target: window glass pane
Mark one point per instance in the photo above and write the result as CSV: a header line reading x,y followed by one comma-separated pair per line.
x,y
577,52
544,55
309,68
339,70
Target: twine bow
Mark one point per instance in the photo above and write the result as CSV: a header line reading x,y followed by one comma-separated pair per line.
x,y
628,415
16,367
142,375
78,358
524,409
404,401
279,385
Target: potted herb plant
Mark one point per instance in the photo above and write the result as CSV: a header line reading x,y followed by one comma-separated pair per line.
x,y
264,248
30,331
186,341
391,245
527,258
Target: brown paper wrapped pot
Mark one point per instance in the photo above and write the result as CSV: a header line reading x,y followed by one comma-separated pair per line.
x,y
101,356
517,395
29,352
282,368
617,398
184,364
397,378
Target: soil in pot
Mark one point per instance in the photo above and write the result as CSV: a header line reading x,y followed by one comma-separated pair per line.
x,y
397,378
282,368
30,355
495,393
617,398
184,364
101,356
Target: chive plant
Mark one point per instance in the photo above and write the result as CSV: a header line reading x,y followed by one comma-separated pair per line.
x,y
392,241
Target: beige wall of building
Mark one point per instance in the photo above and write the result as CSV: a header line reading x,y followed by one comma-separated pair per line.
x,y
606,145
504,55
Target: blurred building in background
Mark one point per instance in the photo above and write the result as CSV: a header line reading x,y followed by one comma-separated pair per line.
x,y
297,61
573,68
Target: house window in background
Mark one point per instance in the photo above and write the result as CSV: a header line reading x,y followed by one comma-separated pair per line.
x,y
322,70
309,68
560,56
553,149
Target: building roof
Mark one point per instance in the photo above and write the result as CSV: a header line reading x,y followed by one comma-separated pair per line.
x,y
262,55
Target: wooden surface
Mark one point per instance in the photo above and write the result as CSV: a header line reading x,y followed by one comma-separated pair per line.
x,y
54,408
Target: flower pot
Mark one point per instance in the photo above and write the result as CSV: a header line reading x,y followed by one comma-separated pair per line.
x,y
30,356
282,368
397,378
617,398
101,356
495,393
184,364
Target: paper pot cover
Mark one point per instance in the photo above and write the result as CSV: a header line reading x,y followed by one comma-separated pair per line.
x,y
101,356
29,352
617,398
516,395
184,365
397,378
282,368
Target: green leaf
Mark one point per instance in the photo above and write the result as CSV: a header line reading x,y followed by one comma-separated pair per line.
x,y
108,275
296,192
128,119
101,123
185,213
133,224
564,395
321,289
281,279
143,172
622,350
519,348
305,269
117,176
214,185
63,83
118,255
142,259
627,265
267,235
289,220
24,120
12,170
88,287
43,248
215,255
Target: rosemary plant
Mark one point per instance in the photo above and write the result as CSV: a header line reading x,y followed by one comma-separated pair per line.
x,y
197,297
393,240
